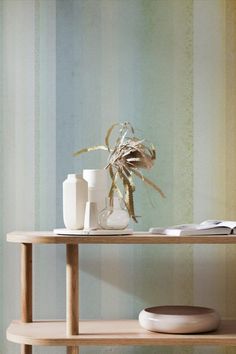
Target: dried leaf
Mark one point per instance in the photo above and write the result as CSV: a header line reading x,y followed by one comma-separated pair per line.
x,y
93,148
108,134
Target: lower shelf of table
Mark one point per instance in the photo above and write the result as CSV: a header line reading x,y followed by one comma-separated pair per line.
x,y
123,332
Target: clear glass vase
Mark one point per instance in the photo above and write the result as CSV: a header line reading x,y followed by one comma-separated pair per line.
x,y
114,216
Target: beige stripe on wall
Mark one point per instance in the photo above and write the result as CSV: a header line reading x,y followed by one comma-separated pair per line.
x,y
230,58
230,87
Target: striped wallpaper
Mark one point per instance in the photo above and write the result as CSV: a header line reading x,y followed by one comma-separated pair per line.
x,y
69,69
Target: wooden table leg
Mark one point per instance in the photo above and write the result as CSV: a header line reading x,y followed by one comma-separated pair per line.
x,y
72,300
26,349
26,289
72,350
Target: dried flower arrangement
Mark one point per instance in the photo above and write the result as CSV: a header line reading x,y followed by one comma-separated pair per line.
x,y
126,157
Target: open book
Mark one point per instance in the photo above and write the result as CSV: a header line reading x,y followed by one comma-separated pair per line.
x,y
208,227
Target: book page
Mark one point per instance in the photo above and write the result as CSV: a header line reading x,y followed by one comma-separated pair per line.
x,y
206,227
216,223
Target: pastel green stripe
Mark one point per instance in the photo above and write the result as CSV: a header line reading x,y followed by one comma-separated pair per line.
x,y
183,149
182,102
166,80
209,154
153,266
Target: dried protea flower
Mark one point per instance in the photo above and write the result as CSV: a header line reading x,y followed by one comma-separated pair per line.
x,y
132,154
126,157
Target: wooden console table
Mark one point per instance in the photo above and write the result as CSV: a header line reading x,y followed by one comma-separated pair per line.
x,y
73,333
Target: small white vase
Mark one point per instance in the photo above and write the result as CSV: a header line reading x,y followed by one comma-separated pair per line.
x,y
97,186
75,196
91,218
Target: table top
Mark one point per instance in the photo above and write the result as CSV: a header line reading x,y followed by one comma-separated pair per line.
x,y
49,237
121,332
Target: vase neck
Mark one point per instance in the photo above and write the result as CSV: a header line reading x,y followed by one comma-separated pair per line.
x,y
114,203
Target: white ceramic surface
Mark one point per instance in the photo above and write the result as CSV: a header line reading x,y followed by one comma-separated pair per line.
x,y
91,216
179,319
97,186
75,196
92,232
96,178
